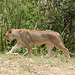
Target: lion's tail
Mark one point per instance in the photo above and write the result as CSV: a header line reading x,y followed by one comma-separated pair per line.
x,y
73,54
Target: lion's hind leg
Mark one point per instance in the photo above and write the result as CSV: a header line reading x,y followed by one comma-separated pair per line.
x,y
49,49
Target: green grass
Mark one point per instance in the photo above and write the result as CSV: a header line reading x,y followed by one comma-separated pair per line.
x,y
32,65
40,60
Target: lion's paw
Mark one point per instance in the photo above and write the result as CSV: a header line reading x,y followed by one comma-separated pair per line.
x,y
8,53
47,55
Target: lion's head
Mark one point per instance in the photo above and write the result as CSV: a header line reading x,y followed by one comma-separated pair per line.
x,y
11,34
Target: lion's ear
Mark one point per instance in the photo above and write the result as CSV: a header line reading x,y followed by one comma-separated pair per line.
x,y
10,30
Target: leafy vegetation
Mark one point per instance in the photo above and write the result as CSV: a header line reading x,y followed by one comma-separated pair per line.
x,y
57,15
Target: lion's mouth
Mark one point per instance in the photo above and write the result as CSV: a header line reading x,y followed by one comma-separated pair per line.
x,y
8,41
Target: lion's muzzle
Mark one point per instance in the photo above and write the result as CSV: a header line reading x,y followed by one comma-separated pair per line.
x,y
8,41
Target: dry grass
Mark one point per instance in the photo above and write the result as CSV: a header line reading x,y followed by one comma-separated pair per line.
x,y
36,65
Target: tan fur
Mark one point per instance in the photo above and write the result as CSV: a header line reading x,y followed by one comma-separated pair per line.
x,y
34,37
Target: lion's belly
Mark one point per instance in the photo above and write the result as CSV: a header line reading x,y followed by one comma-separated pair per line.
x,y
41,41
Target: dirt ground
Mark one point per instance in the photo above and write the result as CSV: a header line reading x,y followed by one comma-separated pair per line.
x,y
19,65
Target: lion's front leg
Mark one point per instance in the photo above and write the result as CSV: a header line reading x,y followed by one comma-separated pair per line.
x,y
17,46
29,46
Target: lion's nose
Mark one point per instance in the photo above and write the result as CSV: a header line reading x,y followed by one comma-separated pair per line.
x,y
8,41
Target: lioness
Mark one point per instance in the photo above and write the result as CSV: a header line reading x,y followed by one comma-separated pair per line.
x,y
34,37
